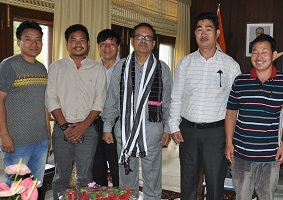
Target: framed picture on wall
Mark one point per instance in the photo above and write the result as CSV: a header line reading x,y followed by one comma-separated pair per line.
x,y
254,30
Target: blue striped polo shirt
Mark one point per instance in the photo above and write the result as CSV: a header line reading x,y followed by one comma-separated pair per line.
x,y
258,104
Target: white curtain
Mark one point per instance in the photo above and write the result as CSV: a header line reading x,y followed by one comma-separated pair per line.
x,y
94,14
161,14
182,44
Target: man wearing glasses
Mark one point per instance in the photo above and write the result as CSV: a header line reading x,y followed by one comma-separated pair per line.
x,y
139,97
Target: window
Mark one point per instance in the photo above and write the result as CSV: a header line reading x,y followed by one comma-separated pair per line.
x,y
166,54
11,17
43,57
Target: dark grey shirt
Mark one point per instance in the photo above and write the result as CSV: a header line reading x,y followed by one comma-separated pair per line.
x,y
25,85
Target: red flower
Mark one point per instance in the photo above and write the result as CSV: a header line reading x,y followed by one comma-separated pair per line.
x,y
72,194
85,196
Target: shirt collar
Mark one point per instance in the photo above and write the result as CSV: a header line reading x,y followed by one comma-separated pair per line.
x,y
117,59
273,73
215,54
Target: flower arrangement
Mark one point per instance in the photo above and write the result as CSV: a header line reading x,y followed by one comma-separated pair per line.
x,y
22,188
95,192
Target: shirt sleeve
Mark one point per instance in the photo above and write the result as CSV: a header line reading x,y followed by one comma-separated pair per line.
x,y
177,96
7,76
100,90
236,72
233,100
52,89
111,108
166,99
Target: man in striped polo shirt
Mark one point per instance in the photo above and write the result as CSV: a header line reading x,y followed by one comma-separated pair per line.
x,y
251,124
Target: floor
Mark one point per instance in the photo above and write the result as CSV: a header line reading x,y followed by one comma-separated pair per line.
x,y
49,194
279,190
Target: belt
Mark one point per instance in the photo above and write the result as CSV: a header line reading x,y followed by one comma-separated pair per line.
x,y
69,123
205,125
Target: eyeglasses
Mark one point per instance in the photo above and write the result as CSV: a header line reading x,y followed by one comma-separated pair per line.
x,y
146,37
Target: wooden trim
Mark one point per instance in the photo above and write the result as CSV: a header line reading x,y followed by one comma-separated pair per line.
x,y
8,14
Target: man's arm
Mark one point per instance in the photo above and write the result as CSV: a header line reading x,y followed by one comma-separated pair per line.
x,y
279,155
6,140
230,124
177,96
166,100
47,116
58,116
166,96
110,111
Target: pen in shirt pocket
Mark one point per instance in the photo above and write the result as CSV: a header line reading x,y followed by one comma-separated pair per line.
x,y
220,73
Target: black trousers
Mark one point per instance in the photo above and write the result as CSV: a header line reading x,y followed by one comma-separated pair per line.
x,y
105,152
202,148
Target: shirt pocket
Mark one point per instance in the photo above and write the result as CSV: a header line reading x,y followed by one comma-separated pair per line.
x,y
219,80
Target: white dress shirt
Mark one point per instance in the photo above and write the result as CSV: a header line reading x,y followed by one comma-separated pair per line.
x,y
201,88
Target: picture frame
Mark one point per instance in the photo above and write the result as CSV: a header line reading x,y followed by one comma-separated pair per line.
x,y
256,28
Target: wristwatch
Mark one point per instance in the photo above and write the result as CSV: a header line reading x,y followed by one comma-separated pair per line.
x,y
63,127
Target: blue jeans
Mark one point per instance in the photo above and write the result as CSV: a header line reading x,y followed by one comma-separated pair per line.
x,y
34,156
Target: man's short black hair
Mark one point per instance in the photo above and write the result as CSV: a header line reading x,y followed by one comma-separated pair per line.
x,y
146,25
107,33
74,28
265,38
27,25
209,16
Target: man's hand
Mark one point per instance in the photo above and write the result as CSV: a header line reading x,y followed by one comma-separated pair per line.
x,y
229,152
177,137
7,143
279,155
108,137
165,139
75,131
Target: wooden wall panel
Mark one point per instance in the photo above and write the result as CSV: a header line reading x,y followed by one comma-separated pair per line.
x,y
235,15
10,13
3,33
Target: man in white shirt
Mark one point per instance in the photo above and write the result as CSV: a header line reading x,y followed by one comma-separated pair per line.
x,y
201,87
76,92
108,45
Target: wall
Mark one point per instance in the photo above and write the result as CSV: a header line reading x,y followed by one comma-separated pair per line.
x,y
235,16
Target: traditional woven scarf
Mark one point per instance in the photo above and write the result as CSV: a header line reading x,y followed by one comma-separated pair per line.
x,y
133,113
